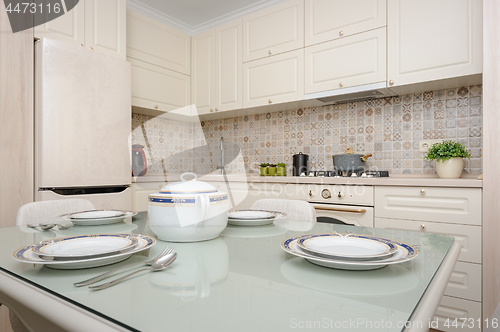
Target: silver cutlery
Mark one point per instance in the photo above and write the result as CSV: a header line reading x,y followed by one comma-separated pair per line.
x,y
158,265
92,280
45,227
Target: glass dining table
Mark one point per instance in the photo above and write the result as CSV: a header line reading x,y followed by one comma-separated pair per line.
x,y
240,281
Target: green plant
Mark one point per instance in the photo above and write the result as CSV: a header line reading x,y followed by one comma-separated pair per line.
x,y
447,150
264,165
281,165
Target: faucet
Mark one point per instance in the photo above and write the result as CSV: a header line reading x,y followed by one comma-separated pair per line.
x,y
221,167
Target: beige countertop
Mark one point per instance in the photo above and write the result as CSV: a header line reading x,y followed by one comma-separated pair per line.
x,y
466,181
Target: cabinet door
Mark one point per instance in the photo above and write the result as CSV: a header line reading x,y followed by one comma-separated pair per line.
x,y
451,308
274,80
273,30
331,19
432,40
105,26
158,88
157,43
69,27
346,62
229,66
203,71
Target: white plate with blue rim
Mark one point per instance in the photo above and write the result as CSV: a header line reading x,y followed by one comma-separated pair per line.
x,y
347,246
26,255
254,214
404,253
97,217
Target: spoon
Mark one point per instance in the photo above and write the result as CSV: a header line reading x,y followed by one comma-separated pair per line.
x,y
158,265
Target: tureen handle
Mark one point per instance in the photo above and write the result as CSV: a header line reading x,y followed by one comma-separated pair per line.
x,y
189,173
203,205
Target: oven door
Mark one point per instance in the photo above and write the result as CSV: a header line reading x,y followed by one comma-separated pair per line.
x,y
344,214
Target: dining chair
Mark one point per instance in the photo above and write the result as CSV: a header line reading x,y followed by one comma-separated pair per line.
x,y
294,209
44,212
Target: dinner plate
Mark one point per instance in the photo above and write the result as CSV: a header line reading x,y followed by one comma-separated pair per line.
x,y
97,221
97,214
26,255
404,253
254,222
250,214
347,246
85,246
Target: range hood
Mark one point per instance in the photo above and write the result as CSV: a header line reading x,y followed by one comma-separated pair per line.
x,y
355,93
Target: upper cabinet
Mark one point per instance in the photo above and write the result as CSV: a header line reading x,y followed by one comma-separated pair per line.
x,y
158,44
433,40
346,62
97,24
274,30
203,70
332,19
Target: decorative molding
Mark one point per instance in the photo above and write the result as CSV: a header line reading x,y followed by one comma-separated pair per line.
x,y
175,23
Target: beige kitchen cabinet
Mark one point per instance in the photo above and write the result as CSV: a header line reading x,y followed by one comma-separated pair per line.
x,y
156,43
274,30
229,66
97,24
451,308
160,89
276,79
346,62
433,40
203,84
327,20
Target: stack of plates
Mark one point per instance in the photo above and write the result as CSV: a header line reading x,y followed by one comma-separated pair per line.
x,y
97,217
252,217
349,251
84,251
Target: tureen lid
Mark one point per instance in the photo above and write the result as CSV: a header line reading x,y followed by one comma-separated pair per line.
x,y
188,186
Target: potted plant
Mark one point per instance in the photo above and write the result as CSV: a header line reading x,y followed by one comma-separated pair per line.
x,y
264,169
272,170
281,169
449,158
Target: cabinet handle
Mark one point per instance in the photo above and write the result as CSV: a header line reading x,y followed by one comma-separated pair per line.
x,y
216,109
270,52
91,48
341,33
211,110
391,82
81,45
250,185
270,101
422,227
156,106
341,84
338,209
422,191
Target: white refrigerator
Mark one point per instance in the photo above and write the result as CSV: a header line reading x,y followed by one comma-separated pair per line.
x,y
82,125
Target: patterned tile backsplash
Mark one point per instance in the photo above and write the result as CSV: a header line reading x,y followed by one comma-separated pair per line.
x,y
389,128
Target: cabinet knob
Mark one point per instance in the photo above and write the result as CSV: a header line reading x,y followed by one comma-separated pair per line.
x,y
91,48
341,33
310,193
422,227
250,185
156,106
211,110
81,45
270,101
422,191
341,84
391,82
216,109
270,52
340,195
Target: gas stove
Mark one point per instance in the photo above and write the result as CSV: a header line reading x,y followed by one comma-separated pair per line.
x,y
338,174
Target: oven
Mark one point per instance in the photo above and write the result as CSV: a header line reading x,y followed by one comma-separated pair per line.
x,y
337,204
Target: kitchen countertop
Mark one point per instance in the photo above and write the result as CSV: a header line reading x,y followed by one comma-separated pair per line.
x,y
466,181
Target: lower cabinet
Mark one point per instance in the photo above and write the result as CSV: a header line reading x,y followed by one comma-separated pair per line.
x,y
451,308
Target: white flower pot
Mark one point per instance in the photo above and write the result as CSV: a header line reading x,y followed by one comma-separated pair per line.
x,y
450,169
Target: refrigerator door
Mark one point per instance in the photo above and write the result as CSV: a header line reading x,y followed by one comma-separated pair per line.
x,y
82,117
115,201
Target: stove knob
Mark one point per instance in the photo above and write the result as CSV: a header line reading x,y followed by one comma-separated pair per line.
x,y
326,194
341,194
310,193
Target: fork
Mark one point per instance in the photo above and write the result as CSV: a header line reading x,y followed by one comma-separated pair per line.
x,y
45,227
95,279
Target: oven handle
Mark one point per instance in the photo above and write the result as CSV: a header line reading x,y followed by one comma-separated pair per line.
x,y
339,209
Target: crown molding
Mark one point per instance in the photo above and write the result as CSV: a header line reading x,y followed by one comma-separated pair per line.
x,y
156,15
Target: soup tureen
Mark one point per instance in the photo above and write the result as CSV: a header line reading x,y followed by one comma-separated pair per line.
x,y
188,211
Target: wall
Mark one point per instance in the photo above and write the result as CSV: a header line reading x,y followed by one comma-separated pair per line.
x,y
389,128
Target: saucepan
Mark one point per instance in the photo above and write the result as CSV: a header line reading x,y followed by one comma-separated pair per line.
x,y
350,161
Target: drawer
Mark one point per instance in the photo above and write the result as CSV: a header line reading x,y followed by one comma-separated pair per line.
x,y
469,237
451,308
448,205
465,281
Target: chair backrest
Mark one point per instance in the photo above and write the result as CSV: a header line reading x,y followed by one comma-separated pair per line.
x,y
295,209
45,211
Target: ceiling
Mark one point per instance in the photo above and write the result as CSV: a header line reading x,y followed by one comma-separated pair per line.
x,y
194,16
